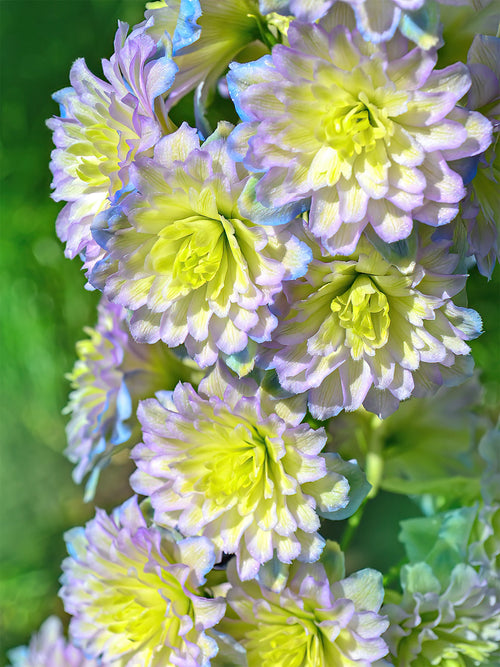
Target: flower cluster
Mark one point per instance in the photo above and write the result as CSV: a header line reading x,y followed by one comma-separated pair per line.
x,y
299,254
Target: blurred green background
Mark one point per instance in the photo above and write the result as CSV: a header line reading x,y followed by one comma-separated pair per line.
x,y
44,307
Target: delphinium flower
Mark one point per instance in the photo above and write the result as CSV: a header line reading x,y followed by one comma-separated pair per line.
x,y
448,612
479,210
377,20
484,550
362,330
427,446
112,373
235,464
48,648
104,125
173,20
134,592
363,132
435,623
313,618
183,258
226,30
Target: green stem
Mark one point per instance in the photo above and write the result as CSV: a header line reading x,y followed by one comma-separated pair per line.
x,y
374,469
394,572
265,34
352,525
374,464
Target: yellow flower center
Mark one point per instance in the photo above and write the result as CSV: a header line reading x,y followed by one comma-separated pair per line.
x,y
191,250
138,610
354,125
278,642
236,465
363,311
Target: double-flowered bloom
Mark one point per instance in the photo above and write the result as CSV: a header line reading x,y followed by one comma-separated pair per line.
x,y
449,611
453,622
479,210
235,465
134,592
48,648
182,257
104,126
368,330
377,20
112,373
314,618
362,132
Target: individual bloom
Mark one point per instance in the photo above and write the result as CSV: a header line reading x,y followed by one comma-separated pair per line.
x,y
476,228
312,620
362,330
489,449
134,592
235,465
175,18
456,622
103,126
376,20
364,135
304,10
479,210
428,446
485,543
49,648
483,62
181,256
224,30
112,373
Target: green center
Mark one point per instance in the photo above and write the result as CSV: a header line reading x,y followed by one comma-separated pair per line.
x,y
355,125
191,250
135,611
286,644
236,466
363,311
